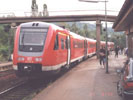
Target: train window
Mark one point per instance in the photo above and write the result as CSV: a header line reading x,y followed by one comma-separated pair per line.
x,y
75,44
62,43
32,38
56,43
78,44
66,43
92,45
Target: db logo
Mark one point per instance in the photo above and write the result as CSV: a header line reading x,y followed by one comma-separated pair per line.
x,y
29,58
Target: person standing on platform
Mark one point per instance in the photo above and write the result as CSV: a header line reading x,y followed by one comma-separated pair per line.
x,y
126,52
116,51
122,50
102,56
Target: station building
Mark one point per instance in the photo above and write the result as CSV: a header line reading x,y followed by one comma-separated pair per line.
x,y
124,22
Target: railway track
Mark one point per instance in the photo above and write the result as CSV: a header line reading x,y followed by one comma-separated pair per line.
x,y
4,95
6,73
26,88
29,87
19,91
10,89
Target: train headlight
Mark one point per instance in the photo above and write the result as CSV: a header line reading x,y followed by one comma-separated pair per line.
x,y
20,58
38,59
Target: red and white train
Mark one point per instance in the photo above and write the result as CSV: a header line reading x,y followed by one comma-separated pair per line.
x,y
41,47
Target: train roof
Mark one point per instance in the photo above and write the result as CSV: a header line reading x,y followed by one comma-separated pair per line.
x,y
33,24
89,39
108,42
40,24
103,42
44,24
74,35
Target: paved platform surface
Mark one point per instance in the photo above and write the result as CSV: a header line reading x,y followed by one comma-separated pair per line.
x,y
86,81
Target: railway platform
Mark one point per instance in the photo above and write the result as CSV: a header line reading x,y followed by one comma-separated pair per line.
x,y
86,81
5,66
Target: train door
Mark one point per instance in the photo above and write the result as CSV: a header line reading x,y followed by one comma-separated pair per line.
x,y
68,52
85,48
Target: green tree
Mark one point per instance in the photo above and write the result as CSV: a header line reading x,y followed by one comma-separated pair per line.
x,y
74,28
86,32
118,39
6,41
93,34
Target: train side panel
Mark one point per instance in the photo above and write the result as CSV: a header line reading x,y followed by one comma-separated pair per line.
x,y
15,52
77,47
56,54
91,47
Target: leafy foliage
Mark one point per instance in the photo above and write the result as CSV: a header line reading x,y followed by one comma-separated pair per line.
x,y
6,42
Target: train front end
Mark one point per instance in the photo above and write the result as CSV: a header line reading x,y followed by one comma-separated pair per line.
x,y
29,48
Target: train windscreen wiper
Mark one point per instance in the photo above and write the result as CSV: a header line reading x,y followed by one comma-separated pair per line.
x,y
23,40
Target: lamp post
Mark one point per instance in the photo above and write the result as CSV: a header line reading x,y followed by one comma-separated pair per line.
x,y
106,37
105,1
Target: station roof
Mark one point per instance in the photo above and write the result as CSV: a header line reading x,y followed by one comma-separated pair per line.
x,y
125,17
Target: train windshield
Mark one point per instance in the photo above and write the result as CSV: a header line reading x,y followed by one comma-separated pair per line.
x,y
32,38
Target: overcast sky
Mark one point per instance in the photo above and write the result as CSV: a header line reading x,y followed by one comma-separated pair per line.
x,y
21,6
